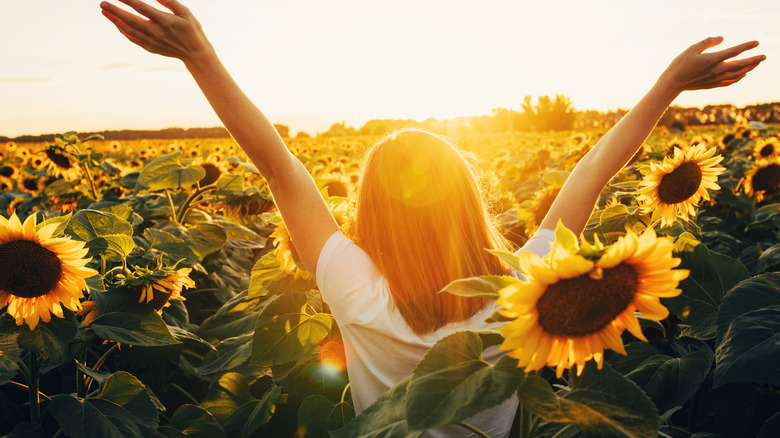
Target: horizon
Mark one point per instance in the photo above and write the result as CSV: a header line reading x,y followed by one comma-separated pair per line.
x,y
310,64
318,132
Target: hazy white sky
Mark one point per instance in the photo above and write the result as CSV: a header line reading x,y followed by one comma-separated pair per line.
x,y
310,63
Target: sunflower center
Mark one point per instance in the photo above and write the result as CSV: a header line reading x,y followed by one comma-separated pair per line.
x,y
58,159
580,306
767,178
680,184
6,171
767,150
27,269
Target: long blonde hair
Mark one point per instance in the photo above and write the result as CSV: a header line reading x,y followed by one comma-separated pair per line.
x,y
421,217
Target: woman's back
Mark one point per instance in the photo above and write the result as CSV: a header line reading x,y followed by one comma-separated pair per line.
x,y
381,349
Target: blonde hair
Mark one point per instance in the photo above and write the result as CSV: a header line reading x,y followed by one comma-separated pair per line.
x,y
421,217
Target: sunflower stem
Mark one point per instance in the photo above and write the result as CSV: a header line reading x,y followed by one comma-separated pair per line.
x,y
35,399
534,426
173,207
344,392
100,363
102,266
525,422
473,429
91,179
25,387
185,207
185,393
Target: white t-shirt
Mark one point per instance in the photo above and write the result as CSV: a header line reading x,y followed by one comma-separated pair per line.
x,y
381,349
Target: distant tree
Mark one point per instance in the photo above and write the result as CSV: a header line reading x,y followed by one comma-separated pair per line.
x,y
302,134
339,130
283,130
549,114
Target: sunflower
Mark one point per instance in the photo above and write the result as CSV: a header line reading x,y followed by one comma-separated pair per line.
x,y
214,166
336,183
287,255
60,164
676,185
674,144
160,291
573,308
539,207
766,148
38,273
763,179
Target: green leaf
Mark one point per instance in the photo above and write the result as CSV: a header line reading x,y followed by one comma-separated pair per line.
x,y
556,178
9,357
49,339
104,233
484,287
147,330
229,354
509,258
285,330
127,391
768,259
26,430
168,172
267,277
605,403
750,349
206,238
173,247
226,395
671,381
61,221
125,408
711,275
452,382
195,422
749,295
251,416
113,246
385,418
230,183
317,415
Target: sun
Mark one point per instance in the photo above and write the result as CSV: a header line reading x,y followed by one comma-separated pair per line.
x,y
573,307
39,274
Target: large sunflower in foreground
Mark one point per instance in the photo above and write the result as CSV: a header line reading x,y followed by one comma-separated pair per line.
x,y
573,307
39,274
763,178
676,185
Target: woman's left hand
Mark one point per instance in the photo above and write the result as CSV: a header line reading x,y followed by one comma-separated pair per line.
x,y
177,34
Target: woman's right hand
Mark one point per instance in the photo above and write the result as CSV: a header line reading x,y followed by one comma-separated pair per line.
x,y
177,34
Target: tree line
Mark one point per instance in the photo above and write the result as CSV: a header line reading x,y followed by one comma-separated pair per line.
x,y
546,114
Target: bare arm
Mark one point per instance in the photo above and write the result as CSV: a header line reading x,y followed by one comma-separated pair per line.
x,y
691,70
179,35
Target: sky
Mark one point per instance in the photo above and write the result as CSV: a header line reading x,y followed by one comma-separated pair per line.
x,y
308,63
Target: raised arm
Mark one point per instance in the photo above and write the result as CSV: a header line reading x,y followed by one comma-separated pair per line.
x,y
179,35
691,70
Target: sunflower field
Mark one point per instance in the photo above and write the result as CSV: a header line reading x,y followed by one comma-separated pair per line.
x,y
149,288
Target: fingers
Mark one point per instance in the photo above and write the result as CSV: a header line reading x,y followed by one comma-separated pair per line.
x,y
124,16
741,64
146,10
706,44
734,51
175,7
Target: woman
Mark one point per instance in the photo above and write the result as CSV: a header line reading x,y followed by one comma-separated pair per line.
x,y
420,218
